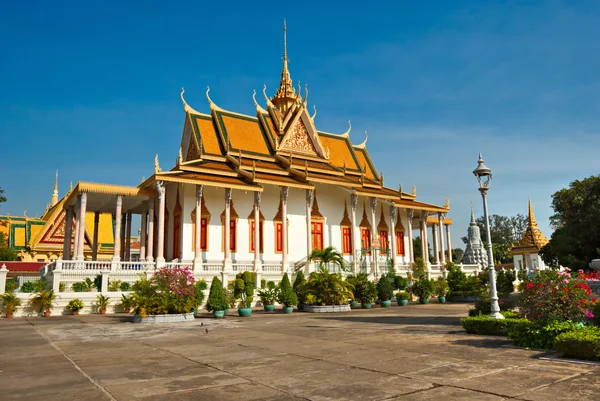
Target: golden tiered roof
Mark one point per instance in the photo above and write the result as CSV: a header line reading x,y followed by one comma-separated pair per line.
x,y
533,239
280,145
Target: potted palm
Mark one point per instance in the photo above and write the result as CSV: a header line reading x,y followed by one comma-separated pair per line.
x,y
441,290
328,256
10,303
244,291
75,305
385,291
102,303
45,300
127,303
402,298
424,289
217,302
268,296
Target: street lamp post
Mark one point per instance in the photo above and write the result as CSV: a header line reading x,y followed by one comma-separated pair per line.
x,y
484,175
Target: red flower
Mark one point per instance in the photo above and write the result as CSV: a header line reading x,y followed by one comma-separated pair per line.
x,y
593,299
565,290
540,285
529,285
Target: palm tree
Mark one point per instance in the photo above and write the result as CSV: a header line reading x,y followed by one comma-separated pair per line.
x,y
328,255
328,288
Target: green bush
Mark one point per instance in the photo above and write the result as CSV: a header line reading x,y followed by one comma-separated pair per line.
x,y
486,325
403,296
385,289
33,286
423,288
596,311
216,296
299,287
84,286
125,286
268,294
287,296
538,335
441,287
199,288
75,305
419,268
244,288
511,315
583,343
400,283
505,283
114,285
11,285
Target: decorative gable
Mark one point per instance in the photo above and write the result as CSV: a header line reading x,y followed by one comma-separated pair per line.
x,y
298,140
56,233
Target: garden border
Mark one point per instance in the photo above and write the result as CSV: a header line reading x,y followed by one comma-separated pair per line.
x,y
172,318
326,308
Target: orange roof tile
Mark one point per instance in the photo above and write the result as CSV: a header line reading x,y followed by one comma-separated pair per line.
x,y
208,136
244,133
339,151
362,158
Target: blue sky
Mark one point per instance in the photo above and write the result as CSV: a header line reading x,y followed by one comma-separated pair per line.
x,y
92,88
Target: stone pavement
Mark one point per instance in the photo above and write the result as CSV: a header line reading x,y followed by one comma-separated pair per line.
x,y
418,352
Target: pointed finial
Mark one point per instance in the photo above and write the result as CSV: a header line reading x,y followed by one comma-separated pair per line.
x,y
347,133
531,217
70,186
447,203
364,144
305,95
259,109
472,214
56,181
414,191
315,113
143,179
186,107
180,157
55,191
400,190
284,42
157,168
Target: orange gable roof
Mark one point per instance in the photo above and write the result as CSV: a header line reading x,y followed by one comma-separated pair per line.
x,y
208,136
340,151
244,133
364,159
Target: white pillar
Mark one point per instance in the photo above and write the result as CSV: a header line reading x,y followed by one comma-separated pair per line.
x,y
128,238
449,243
143,236
82,207
425,243
227,260
117,235
95,244
150,255
257,262
374,233
393,214
160,246
76,236
409,226
68,234
3,274
355,233
434,239
198,230
284,238
309,204
442,248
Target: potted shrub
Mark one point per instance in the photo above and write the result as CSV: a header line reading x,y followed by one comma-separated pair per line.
x,y
368,295
299,289
424,289
268,296
358,283
441,289
385,291
199,288
402,298
244,291
328,289
10,302
289,299
217,302
45,300
127,303
75,305
102,304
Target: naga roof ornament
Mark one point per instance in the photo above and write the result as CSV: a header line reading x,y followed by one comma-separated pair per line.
x,y
186,107
363,145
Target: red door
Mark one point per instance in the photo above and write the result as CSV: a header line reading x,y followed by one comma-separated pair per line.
x,y
317,235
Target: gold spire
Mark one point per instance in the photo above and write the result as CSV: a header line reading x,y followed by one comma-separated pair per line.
x,y
285,96
532,238
55,192
531,218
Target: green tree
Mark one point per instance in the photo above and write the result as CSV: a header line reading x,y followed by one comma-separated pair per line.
x,y
458,254
328,255
7,253
2,197
576,239
505,231
417,248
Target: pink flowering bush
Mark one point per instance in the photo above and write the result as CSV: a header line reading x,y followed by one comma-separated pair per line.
x,y
171,290
560,296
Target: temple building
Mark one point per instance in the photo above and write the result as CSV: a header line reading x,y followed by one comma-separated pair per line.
x,y
526,250
474,252
259,192
41,239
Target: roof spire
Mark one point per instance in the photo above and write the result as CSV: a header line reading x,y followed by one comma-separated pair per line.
x,y
472,215
531,218
55,191
286,94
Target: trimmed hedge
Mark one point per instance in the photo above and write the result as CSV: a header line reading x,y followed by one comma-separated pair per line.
x,y
538,335
486,325
583,343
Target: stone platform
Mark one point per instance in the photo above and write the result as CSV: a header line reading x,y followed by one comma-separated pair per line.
x,y
416,352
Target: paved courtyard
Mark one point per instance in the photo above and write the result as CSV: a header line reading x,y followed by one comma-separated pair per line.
x,y
418,352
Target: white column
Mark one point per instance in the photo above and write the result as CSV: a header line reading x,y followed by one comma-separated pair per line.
x,y
442,248
82,208
355,233
117,235
393,214
198,230
257,262
95,244
68,234
227,261
160,246
150,255
425,243
434,238
309,204
128,238
374,233
449,243
284,237
143,236
76,236
409,227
